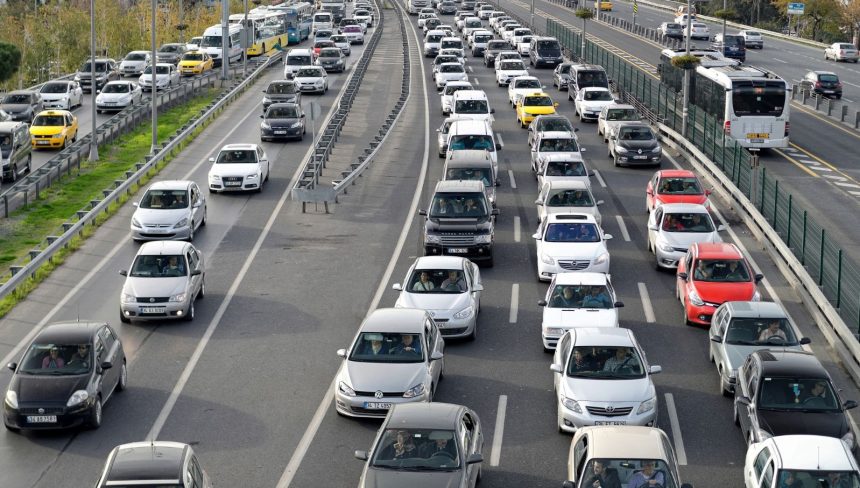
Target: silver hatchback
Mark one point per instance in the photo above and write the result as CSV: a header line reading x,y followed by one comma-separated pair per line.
x,y
169,210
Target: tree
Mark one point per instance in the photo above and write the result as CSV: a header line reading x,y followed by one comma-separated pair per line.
x,y
851,18
585,14
10,60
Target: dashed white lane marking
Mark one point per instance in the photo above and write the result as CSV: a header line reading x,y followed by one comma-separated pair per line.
x,y
780,61
680,452
499,138
646,304
515,303
513,181
849,83
599,178
623,227
500,431
470,69
516,229
477,81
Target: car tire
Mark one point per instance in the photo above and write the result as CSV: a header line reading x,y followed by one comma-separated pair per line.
x,y
474,335
685,319
122,383
189,316
123,318
202,293
95,420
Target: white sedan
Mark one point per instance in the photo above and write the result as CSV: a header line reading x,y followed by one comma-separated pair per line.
x,y
449,72
311,79
508,69
570,242
521,86
166,75
64,95
589,102
239,167
698,30
117,95
674,227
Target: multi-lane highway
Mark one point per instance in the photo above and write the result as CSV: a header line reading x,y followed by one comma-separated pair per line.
x,y
249,381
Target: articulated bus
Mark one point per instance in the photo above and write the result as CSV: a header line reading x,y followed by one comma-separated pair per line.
x,y
212,42
266,29
299,18
752,103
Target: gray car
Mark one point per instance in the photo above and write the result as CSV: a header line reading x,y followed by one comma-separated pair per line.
x,y
22,105
672,30
163,282
331,59
170,53
169,210
740,328
425,445
281,91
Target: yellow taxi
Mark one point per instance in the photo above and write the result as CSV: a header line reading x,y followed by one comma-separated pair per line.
x,y
603,5
195,63
53,128
532,105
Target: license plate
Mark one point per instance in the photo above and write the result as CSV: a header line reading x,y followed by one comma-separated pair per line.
x,y
458,250
151,309
233,183
758,135
828,91
280,132
42,419
756,141
109,103
640,157
43,143
377,405
611,422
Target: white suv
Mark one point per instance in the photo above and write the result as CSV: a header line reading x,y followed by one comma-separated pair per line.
x,y
239,167
577,300
570,242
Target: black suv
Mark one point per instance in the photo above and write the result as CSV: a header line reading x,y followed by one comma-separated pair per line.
x,y
824,83
786,393
460,222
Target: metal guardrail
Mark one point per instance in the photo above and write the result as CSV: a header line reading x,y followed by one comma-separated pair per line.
x,y
30,186
848,116
39,257
306,188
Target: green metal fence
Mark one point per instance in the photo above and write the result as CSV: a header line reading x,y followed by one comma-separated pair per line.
x,y
836,275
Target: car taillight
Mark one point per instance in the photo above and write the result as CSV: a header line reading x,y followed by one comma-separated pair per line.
x,y
727,127
787,128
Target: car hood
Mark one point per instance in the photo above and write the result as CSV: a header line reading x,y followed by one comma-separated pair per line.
x,y
285,122
390,377
686,239
32,388
149,216
609,390
737,354
109,97
132,64
725,292
695,199
190,64
595,105
154,287
830,424
240,169
532,110
386,478
147,78
634,145
308,79
444,303
580,317
514,72
282,97
47,130
14,107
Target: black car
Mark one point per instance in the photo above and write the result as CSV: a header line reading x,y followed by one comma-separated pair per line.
x,y
22,105
494,47
824,83
170,53
634,143
447,8
787,393
66,375
281,91
731,46
145,463
561,76
283,121
545,51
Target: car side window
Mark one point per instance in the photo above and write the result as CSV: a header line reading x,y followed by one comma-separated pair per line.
x,y
196,472
430,333
689,262
658,216
259,154
100,350
752,381
767,478
579,451
760,461
564,347
107,336
195,195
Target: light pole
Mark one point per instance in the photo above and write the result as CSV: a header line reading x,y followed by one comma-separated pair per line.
x,y
225,39
152,86
686,104
245,32
94,142
725,7
533,15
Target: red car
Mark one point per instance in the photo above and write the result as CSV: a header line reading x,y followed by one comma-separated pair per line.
x,y
318,45
675,186
711,274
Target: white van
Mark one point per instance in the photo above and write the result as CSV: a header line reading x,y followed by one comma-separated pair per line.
x,y
323,20
211,44
472,104
295,59
433,42
475,135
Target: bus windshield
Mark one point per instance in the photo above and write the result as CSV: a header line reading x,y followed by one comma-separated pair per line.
x,y
766,98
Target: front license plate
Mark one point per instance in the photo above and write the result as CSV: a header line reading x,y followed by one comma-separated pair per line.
x,y
611,422
42,419
458,250
640,157
43,143
758,135
280,132
233,183
377,406
151,310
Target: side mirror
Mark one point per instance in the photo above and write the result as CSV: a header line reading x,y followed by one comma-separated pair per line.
x,y
805,340
492,110
576,129
612,138
744,400
682,276
555,104
107,365
361,455
849,404
264,91
721,228
708,192
196,272
655,369
134,204
123,272
607,237
538,202
556,368
262,116
717,338
653,227
12,366
618,304
341,353
474,458
422,212
438,130
211,160
649,192
498,147
536,235
397,287
542,303
582,149
495,211
436,356
759,277
303,115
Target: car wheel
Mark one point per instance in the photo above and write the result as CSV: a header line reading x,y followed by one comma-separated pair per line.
x,y
75,137
95,419
615,161
474,335
684,312
189,316
122,384
202,293
123,318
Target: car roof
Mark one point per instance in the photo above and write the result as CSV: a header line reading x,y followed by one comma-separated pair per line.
x,y
602,336
139,461
568,185
403,320
433,415
717,250
581,278
53,112
468,157
10,125
75,332
446,262
570,217
587,67
790,363
813,453
626,442
596,88
474,126
161,248
20,92
825,73
233,147
684,207
621,106
557,134
459,185
756,310
299,51
170,185
676,173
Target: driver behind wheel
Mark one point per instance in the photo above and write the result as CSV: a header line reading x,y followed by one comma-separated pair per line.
x,y
773,330
441,446
647,477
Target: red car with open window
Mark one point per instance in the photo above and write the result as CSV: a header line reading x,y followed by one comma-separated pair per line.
x,y
675,186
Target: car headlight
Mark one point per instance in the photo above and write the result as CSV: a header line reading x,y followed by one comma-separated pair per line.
x,y
126,298
296,125
657,149
267,100
756,296
603,258
666,247
554,331
462,314
135,222
345,389
432,239
484,238
547,259
571,404
848,438
179,297
251,177
12,399
647,406
695,300
319,82
415,391
265,125
77,398
181,223
620,149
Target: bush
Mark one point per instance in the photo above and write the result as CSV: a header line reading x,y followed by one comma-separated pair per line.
x,y
686,61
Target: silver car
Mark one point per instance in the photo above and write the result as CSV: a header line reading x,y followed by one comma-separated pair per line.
x,y
739,328
601,377
449,288
396,357
169,210
674,227
163,282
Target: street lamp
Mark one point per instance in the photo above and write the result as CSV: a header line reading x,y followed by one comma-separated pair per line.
x,y
94,142
686,104
245,40
153,87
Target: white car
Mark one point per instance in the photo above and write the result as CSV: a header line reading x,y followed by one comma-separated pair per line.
x,y
342,42
447,94
519,33
567,196
752,39
841,51
166,75
614,115
311,79
674,227
522,86
169,210
562,167
449,288
456,52
117,95
449,72
355,33
697,30
569,303
433,42
61,94
554,143
135,62
589,102
800,461
471,24
570,242
239,167
194,44
485,11
422,18
470,40
524,44
508,69
363,16
601,377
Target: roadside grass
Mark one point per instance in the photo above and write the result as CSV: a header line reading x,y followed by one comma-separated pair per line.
x,y
28,227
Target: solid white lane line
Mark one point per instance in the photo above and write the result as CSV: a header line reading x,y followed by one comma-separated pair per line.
x,y
515,303
500,430
513,181
646,304
680,452
311,431
623,226
599,178
516,229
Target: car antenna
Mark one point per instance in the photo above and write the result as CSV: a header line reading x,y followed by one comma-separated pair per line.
x,y
818,467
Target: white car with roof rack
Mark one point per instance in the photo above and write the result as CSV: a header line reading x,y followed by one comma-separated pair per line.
x,y
569,304
570,242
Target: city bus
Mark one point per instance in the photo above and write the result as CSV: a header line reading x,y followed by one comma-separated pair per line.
x,y
752,103
266,29
299,18
211,44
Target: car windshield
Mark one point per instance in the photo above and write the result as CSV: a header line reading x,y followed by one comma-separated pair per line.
x,y
433,38
116,88
622,114
479,142
237,156
549,47
330,53
55,87
615,363
158,266
458,205
558,145
437,281
527,84
558,124
57,359
591,78
100,67
597,96
211,41
497,45
324,43
478,174
471,107
569,198
338,38
680,186
537,101
580,296
49,121
444,59
192,57
482,38
791,478
721,270
513,65
323,34
379,347
635,134
525,40
452,52
687,222
16,99
451,89
804,394
760,332
452,43
164,199
298,60
630,472
281,88
416,450
571,232
159,70
135,57
287,112
452,68
352,28
309,72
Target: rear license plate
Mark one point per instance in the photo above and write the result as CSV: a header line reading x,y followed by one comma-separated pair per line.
x,y
756,141
828,91
280,132
758,135
233,183
611,422
42,419
457,250
377,405
151,309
